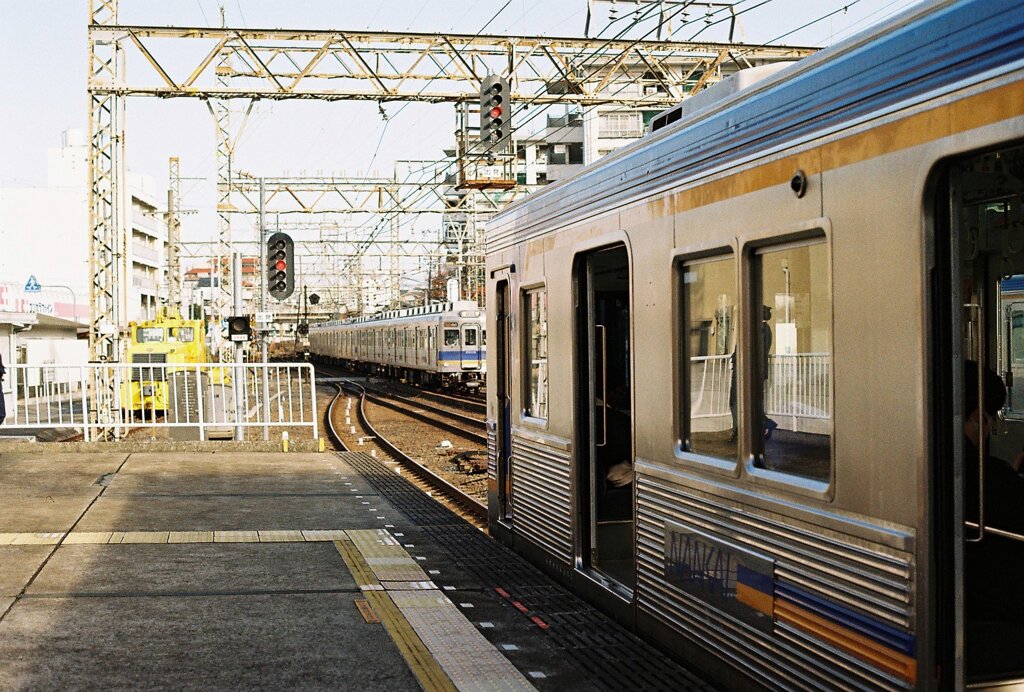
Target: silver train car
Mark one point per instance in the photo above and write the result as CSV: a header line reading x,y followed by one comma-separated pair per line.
x,y
439,345
732,392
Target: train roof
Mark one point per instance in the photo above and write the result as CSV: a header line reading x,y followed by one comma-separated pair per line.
x,y
432,309
917,53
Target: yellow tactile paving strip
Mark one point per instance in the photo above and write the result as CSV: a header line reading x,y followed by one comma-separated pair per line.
x,y
458,647
422,664
466,657
386,556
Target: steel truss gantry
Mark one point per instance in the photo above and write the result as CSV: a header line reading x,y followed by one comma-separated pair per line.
x,y
332,65
106,205
375,208
401,66
431,194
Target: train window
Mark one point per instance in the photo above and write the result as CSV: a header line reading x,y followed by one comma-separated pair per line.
x,y
536,398
149,335
793,367
451,337
709,422
470,337
1011,343
185,335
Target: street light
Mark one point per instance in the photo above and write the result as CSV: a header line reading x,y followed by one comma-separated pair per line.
x,y
74,298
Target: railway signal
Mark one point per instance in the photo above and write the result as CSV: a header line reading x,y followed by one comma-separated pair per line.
x,y
280,269
239,328
495,114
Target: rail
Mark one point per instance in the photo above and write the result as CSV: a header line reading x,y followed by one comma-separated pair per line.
x,y
201,399
468,504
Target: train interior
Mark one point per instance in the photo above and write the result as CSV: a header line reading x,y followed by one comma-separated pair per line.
x,y
604,408
984,212
503,397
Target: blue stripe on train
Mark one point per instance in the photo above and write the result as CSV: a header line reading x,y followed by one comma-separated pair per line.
x,y
858,622
755,580
459,355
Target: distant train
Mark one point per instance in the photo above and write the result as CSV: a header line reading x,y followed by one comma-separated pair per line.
x,y
166,340
732,387
441,344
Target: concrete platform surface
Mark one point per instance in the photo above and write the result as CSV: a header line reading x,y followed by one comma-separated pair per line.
x,y
236,569
263,606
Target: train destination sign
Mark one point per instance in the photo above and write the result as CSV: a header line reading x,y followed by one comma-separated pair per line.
x,y
735,580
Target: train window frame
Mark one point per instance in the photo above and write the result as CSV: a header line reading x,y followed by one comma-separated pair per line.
x,y
179,334
816,231
525,314
681,382
142,335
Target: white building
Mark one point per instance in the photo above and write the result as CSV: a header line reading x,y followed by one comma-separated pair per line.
x,y
47,231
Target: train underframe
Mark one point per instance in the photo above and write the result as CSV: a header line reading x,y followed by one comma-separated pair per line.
x,y
471,382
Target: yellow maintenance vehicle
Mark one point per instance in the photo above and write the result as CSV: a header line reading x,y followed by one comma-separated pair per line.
x,y
167,339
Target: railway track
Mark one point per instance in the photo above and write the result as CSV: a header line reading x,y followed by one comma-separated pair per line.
x,y
461,403
467,404
462,503
441,417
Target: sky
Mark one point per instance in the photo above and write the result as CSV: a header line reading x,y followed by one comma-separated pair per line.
x,y
43,44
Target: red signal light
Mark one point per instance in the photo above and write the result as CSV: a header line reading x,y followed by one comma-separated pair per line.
x,y
281,265
495,112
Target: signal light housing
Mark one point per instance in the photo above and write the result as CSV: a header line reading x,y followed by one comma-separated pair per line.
x,y
495,123
280,263
239,328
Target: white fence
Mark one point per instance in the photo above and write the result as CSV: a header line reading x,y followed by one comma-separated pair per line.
x,y
194,401
711,383
797,394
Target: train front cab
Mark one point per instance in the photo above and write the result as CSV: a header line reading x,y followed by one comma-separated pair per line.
x,y
978,305
461,351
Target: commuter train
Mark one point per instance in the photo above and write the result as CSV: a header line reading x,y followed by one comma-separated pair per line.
x,y
441,344
726,392
168,339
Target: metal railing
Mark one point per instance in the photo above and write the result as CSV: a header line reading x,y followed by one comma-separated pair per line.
x,y
797,390
711,382
798,386
201,399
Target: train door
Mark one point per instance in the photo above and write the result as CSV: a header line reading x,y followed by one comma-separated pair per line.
x,y
503,400
604,478
470,347
979,458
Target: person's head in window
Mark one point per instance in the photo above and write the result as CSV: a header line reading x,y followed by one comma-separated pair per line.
x,y
979,420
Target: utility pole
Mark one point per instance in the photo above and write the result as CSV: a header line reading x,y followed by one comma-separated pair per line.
x,y
237,371
262,252
174,237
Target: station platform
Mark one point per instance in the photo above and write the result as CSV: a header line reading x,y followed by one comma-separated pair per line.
x,y
274,570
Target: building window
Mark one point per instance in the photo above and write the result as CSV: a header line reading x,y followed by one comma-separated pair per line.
x,y
619,126
793,369
709,401
536,398
562,154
